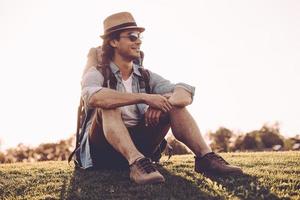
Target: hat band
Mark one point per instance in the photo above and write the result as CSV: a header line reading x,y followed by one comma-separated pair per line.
x,y
120,26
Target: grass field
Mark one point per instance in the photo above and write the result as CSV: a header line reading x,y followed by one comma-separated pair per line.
x,y
268,175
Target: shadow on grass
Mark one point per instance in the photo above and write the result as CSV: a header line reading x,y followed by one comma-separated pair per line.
x,y
108,184
245,187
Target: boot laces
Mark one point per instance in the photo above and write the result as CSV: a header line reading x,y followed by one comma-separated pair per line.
x,y
218,158
146,165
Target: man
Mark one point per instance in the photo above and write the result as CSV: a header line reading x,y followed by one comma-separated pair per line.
x,y
129,124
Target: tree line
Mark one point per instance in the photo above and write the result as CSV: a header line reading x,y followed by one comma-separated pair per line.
x,y
268,137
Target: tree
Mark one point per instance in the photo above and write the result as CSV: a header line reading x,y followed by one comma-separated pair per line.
x,y
237,144
221,139
47,151
252,141
291,143
265,138
270,135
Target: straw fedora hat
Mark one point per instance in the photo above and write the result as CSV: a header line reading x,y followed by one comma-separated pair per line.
x,y
119,21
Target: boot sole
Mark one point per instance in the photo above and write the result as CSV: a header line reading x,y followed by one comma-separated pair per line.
x,y
151,181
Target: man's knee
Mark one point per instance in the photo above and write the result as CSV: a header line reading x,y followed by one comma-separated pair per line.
x,y
166,117
106,116
113,111
111,120
176,110
111,114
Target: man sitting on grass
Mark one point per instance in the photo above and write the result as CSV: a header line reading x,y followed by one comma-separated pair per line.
x,y
129,124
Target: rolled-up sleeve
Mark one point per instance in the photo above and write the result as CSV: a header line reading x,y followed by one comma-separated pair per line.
x,y
187,87
160,85
91,83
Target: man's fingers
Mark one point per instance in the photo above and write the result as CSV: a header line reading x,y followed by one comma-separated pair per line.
x,y
169,105
167,108
147,118
157,115
151,118
160,102
164,108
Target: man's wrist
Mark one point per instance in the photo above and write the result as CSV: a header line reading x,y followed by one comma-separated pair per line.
x,y
143,97
167,95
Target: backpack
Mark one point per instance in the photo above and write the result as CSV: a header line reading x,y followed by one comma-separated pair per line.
x,y
83,116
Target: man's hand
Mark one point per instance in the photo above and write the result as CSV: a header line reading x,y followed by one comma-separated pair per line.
x,y
152,116
180,97
159,102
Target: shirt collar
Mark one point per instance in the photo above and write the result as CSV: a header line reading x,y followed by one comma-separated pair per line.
x,y
136,70
114,68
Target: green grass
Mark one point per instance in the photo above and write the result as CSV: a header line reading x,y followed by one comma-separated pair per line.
x,y
268,175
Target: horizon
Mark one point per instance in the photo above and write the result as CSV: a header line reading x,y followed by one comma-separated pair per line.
x,y
243,57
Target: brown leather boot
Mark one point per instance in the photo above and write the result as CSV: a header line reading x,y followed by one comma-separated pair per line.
x,y
212,164
142,171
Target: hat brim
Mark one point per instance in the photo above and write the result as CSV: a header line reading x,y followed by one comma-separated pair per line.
x,y
141,29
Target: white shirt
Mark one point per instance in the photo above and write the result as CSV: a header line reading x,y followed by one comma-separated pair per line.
x,y
129,113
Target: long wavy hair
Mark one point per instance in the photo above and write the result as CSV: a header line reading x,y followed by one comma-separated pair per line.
x,y
107,49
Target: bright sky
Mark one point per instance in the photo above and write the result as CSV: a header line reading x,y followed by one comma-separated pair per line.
x,y
242,56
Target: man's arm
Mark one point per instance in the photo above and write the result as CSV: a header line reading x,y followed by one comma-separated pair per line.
x,y
97,96
181,93
180,97
109,99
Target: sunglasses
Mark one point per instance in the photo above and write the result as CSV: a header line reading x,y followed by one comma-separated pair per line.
x,y
133,36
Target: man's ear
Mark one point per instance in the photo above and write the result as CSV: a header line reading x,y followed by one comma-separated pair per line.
x,y
113,43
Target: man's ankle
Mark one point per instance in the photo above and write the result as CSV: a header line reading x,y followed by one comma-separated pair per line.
x,y
135,158
203,153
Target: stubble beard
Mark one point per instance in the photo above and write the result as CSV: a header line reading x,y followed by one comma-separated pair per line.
x,y
129,57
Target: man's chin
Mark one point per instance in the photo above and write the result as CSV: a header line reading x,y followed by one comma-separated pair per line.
x,y
133,57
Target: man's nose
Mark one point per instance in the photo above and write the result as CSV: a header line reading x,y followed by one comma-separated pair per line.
x,y
138,41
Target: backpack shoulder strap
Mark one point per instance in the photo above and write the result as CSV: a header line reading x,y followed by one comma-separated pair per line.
x,y
109,78
146,79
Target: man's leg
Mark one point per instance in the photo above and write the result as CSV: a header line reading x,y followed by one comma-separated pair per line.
x,y
114,132
148,138
118,136
186,130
